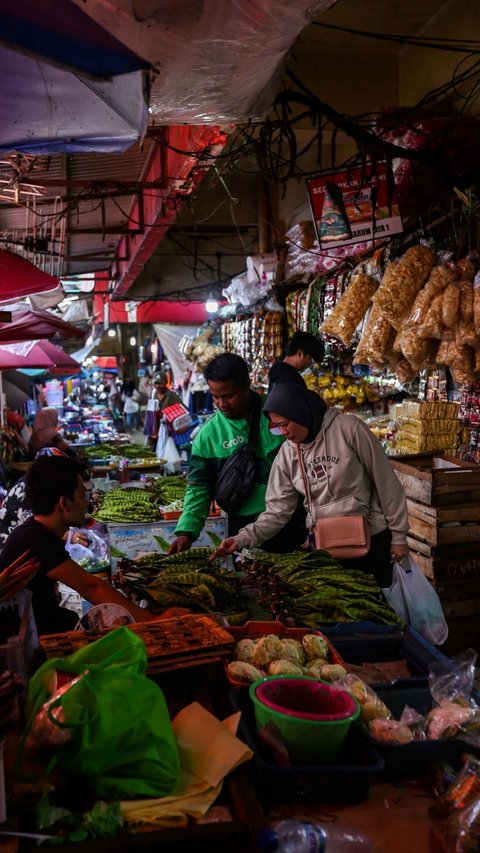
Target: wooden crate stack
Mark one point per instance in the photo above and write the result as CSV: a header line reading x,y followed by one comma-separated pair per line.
x,y
443,498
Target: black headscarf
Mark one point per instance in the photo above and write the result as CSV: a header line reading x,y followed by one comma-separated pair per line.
x,y
299,405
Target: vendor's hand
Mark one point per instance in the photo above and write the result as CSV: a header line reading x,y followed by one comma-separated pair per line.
x,y
181,543
228,546
398,552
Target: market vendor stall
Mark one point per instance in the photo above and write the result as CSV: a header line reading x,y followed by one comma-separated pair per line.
x,y
385,791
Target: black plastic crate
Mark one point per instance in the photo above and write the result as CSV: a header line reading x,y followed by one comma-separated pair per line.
x,y
365,642
416,757
347,781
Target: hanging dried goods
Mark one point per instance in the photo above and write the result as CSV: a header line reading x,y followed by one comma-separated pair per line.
x,y
351,308
401,282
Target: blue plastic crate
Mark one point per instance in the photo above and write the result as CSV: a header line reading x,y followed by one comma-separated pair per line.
x,y
365,642
358,765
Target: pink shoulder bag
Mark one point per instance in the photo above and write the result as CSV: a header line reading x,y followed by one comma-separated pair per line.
x,y
343,536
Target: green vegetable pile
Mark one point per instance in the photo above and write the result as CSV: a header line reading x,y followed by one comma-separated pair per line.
x,y
169,489
313,588
128,505
187,579
135,451
124,451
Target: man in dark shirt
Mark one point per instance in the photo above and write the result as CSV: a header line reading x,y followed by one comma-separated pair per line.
x,y
58,497
302,349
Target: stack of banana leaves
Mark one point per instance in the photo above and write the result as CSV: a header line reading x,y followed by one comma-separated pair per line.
x,y
193,579
312,588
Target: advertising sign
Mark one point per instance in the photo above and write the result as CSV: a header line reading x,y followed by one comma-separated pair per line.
x,y
352,206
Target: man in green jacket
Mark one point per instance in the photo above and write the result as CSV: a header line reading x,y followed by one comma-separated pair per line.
x,y
226,431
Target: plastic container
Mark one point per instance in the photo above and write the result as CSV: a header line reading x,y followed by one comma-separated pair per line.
x,y
296,836
308,700
255,630
307,740
365,642
358,764
416,757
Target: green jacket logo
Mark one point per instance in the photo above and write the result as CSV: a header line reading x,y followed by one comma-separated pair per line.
x,y
233,442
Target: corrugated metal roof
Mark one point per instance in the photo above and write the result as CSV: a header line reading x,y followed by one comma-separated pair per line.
x,y
67,211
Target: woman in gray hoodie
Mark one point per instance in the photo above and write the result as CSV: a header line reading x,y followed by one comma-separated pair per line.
x,y
348,473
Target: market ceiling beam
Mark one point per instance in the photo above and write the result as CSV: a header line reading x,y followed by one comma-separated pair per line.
x,y
185,171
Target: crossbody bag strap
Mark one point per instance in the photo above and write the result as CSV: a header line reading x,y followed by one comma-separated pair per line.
x,y
306,483
255,422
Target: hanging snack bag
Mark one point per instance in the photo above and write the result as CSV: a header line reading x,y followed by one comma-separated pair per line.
x,y
433,325
350,308
451,305
401,283
476,303
466,299
377,339
439,278
404,371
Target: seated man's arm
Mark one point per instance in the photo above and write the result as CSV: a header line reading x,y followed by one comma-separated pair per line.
x,y
95,590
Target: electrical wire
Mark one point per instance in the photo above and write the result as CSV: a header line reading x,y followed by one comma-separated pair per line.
x,y
432,43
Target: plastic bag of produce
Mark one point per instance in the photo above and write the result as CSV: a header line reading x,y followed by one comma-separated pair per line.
x,y
414,599
121,735
91,557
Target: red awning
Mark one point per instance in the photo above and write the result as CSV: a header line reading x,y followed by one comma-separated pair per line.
x,y
19,278
40,355
105,362
13,359
32,325
62,362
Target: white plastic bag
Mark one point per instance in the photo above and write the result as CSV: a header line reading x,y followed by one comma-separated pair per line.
x,y
414,599
167,449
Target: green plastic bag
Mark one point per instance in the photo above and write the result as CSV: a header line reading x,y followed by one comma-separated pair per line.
x,y
122,735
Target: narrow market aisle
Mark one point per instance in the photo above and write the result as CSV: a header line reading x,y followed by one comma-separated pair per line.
x,y
137,436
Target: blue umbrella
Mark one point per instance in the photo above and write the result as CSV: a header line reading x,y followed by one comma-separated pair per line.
x,y
100,106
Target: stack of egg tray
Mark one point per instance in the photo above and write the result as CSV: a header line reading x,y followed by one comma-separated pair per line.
x,y
171,644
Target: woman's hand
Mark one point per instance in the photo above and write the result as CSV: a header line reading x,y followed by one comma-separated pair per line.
x,y
398,552
228,546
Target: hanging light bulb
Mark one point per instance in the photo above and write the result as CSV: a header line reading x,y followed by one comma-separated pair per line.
x,y
133,341
211,305
111,333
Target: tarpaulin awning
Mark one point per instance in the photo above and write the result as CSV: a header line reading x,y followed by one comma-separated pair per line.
x,y
31,325
45,108
16,398
12,358
62,362
105,362
37,354
62,33
19,278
